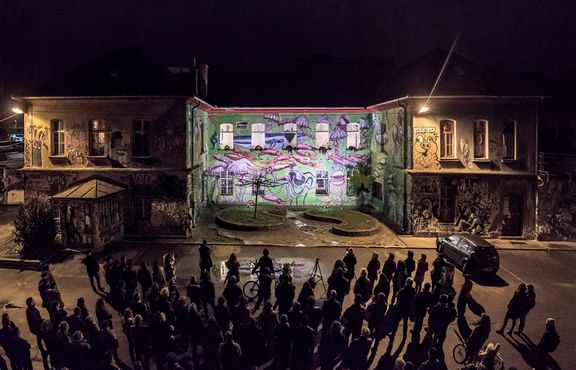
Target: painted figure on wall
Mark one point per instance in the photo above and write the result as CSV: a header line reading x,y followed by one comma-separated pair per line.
x,y
426,148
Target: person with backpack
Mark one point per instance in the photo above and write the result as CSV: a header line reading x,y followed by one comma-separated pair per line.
x,y
548,343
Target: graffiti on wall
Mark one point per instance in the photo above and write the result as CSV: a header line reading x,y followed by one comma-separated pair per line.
x,y
476,205
557,210
76,139
169,214
425,205
37,137
426,148
169,142
464,152
297,171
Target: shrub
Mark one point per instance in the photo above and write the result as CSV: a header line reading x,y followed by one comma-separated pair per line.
x,y
34,226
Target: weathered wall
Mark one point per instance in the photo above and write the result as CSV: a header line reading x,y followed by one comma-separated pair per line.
x,y
478,204
557,209
292,174
388,162
167,136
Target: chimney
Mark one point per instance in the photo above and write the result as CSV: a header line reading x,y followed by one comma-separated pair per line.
x,y
203,83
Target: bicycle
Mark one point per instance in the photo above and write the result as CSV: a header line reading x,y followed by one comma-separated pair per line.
x,y
252,287
460,355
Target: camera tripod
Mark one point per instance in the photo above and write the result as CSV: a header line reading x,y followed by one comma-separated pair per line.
x,y
317,275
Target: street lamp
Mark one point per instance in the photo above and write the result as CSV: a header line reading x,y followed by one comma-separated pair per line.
x,y
17,110
423,109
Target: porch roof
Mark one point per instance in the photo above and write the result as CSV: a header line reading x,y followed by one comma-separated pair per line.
x,y
91,189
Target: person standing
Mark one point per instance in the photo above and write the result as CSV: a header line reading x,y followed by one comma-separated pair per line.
x,y
264,262
410,263
144,278
548,343
93,270
205,252
350,262
208,292
464,296
353,317
398,279
528,304
420,306
436,273
514,309
264,287
34,322
373,268
362,286
233,267
478,337
421,269
389,266
230,353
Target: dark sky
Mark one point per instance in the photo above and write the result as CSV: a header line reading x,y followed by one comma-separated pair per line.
x,y
39,38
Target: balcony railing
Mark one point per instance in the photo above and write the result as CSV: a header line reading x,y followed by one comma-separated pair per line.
x,y
557,164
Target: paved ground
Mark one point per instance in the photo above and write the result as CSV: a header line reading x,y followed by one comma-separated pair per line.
x,y
548,266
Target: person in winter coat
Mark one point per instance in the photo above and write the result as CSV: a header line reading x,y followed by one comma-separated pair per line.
x,y
353,318
264,287
350,261
205,257
514,310
268,320
34,321
208,292
212,339
313,313
436,273
421,269
157,275
389,266
441,315
285,293
398,279
21,348
140,334
332,346
548,343
528,304
363,286
80,353
478,337
307,291
404,305
233,267
194,292
222,315
357,355
373,268
410,263
303,346
144,278
331,310
102,313
264,262
232,292
282,338
464,295
375,314
383,286
93,270
420,307
230,353
339,283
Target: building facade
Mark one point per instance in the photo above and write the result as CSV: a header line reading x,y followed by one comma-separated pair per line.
x,y
133,145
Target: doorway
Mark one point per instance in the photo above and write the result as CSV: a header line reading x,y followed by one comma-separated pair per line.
x,y
512,215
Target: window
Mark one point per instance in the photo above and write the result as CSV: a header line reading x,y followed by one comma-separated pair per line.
x,y
258,136
509,140
97,137
226,136
227,183
352,136
322,182
447,202
481,138
291,135
322,135
447,129
57,129
377,190
351,189
141,140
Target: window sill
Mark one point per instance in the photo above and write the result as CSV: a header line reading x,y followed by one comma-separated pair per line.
x,y
509,160
141,157
449,160
482,160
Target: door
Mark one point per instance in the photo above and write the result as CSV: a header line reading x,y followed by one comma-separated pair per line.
x,y
512,215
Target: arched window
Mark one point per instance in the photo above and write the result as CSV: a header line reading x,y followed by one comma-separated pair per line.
x,y
353,135
226,136
258,136
447,137
481,139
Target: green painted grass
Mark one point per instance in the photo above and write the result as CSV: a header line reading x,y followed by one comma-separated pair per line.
x,y
348,222
242,217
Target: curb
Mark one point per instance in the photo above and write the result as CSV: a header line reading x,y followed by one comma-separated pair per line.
x,y
22,264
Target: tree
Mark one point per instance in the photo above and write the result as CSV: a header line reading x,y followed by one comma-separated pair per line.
x,y
257,182
361,180
34,226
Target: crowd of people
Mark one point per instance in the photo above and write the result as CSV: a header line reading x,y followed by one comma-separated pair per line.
x,y
196,329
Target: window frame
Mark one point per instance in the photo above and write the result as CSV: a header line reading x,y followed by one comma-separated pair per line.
x,y
447,203
353,135
322,182
484,135
325,132
91,132
447,144
57,137
257,135
226,131
144,132
505,156
226,181
291,128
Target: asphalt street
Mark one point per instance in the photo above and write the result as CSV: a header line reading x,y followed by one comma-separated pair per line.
x,y
552,274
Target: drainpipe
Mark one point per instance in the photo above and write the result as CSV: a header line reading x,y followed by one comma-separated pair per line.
x,y
190,155
407,227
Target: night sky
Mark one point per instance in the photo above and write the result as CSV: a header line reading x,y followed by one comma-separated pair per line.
x,y
41,38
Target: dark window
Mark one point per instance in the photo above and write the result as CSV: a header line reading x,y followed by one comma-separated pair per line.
x,y
509,140
322,182
480,138
141,141
447,202
97,137
377,190
57,129
227,183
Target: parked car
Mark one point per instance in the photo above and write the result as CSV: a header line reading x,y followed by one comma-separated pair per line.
x,y
459,247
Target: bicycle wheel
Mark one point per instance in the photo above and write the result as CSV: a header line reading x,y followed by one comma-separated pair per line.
x,y
459,353
251,289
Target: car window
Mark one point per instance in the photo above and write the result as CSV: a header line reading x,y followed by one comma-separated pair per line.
x,y
453,239
463,245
